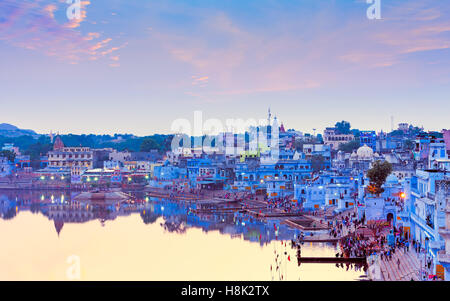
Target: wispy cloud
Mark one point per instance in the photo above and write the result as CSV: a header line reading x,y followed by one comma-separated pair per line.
x,y
33,25
200,81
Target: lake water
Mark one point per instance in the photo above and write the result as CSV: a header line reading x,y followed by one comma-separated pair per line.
x,y
46,236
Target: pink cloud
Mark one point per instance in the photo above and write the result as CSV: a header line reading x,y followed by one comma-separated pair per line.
x,y
32,25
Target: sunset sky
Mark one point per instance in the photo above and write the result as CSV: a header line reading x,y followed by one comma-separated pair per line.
x,y
134,66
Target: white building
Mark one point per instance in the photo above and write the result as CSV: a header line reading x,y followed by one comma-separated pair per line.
x,y
119,156
327,190
437,156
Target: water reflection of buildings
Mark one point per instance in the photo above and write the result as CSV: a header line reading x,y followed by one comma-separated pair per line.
x,y
176,216
58,207
68,213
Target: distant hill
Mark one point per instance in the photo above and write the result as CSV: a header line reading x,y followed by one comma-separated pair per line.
x,y
9,130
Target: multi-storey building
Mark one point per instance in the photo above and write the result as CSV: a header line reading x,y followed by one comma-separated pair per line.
x,y
10,147
427,196
334,138
67,157
327,190
446,135
368,138
444,255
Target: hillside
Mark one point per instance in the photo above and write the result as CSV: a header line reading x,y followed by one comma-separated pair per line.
x,y
9,130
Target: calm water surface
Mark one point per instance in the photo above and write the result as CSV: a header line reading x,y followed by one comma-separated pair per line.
x,y
44,234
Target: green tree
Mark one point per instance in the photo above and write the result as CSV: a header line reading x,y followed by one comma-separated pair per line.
x,y
343,127
349,146
35,151
149,144
8,154
377,175
356,133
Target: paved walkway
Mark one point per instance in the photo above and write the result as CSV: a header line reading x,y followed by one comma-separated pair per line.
x,y
409,267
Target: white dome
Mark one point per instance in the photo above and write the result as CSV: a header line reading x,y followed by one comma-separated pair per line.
x,y
364,152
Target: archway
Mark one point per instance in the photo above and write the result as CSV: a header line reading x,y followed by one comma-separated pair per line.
x,y
390,218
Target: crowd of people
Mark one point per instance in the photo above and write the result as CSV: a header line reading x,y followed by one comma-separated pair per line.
x,y
284,203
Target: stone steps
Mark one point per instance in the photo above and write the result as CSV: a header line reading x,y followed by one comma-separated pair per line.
x,y
408,269
384,271
402,271
415,267
415,259
390,272
405,269
394,270
411,271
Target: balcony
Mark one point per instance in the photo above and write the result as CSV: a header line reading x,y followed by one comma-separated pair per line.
x,y
417,194
443,257
426,200
422,224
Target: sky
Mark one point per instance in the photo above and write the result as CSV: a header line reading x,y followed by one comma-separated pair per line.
x,y
135,66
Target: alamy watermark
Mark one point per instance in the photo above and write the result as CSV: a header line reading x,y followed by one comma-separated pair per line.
x,y
232,138
73,272
374,10
74,9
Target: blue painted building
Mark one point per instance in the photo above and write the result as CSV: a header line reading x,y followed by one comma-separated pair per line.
x,y
368,138
424,218
327,190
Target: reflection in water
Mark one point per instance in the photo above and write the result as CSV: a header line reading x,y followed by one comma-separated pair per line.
x,y
177,217
174,218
